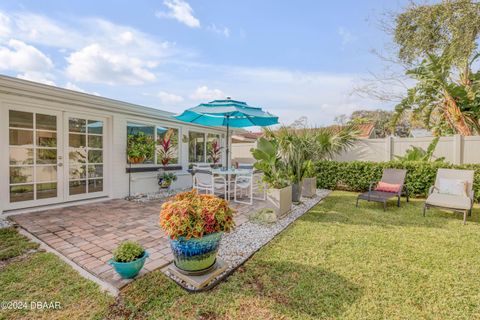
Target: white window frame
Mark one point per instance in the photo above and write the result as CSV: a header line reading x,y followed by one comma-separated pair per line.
x,y
155,125
205,135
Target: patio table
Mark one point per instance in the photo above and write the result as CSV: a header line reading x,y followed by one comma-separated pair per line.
x,y
228,175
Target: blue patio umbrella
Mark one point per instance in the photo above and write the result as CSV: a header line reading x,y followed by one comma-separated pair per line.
x,y
228,113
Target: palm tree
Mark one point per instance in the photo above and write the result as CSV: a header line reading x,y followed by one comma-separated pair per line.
x,y
299,146
445,104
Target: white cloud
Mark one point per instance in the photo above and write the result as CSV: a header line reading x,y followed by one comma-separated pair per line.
x,y
4,25
19,56
291,94
41,77
345,35
181,11
95,64
74,87
169,98
126,55
204,93
224,31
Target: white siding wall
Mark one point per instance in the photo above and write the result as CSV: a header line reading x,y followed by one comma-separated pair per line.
x,y
24,93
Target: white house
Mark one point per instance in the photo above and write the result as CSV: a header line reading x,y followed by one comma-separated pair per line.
x,y
59,146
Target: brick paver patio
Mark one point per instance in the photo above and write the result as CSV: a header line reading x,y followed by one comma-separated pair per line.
x,y
87,234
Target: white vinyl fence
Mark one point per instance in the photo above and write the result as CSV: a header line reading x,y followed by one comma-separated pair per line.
x,y
455,149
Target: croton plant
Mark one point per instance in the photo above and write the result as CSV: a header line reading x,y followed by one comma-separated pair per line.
x,y
190,214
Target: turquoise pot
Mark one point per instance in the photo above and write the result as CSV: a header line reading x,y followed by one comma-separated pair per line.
x,y
196,255
129,270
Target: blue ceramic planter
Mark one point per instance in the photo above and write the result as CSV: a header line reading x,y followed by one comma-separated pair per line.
x,y
196,255
129,270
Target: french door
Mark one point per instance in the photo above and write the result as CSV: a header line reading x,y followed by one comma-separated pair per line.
x,y
86,156
54,157
35,160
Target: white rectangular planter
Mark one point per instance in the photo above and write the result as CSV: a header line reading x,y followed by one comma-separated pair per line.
x,y
281,200
309,189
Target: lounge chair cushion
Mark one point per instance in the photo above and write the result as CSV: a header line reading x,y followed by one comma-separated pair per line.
x,y
452,186
449,201
387,187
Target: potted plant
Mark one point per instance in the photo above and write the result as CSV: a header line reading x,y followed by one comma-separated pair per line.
x,y
165,179
275,175
139,147
309,182
128,259
195,223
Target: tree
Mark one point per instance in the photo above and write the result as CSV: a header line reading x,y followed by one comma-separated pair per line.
x,y
450,29
445,105
381,119
440,41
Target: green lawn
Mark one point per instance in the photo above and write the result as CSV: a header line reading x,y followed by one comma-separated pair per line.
x,y
13,244
336,262
44,277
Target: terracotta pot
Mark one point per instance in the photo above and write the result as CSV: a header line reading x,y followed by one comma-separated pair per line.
x,y
136,160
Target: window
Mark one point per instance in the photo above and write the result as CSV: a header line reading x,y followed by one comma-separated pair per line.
x,y
149,131
196,147
201,147
166,138
213,148
167,146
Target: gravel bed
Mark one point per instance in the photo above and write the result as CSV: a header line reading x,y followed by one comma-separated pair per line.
x,y
239,245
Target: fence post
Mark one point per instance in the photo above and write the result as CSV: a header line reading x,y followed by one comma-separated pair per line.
x,y
457,149
388,148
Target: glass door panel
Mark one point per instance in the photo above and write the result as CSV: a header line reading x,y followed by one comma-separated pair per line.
x,y
85,156
33,152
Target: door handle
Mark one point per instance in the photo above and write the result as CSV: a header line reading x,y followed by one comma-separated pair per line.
x,y
60,164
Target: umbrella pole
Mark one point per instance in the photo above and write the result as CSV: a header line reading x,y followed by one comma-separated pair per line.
x,y
228,125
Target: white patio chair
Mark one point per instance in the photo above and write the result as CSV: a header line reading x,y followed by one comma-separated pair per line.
x,y
259,187
453,190
252,183
201,166
243,182
245,166
204,180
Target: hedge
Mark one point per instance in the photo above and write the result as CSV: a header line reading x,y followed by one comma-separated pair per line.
x,y
357,175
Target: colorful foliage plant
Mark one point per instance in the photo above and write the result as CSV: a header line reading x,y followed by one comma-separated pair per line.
x,y
215,151
190,214
166,150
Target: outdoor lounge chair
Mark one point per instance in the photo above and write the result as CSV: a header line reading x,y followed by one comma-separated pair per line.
x,y
391,185
453,190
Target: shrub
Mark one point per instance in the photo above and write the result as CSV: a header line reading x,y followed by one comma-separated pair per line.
x,y
190,214
128,251
357,175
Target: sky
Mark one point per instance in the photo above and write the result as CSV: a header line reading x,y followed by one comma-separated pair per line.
x,y
292,58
